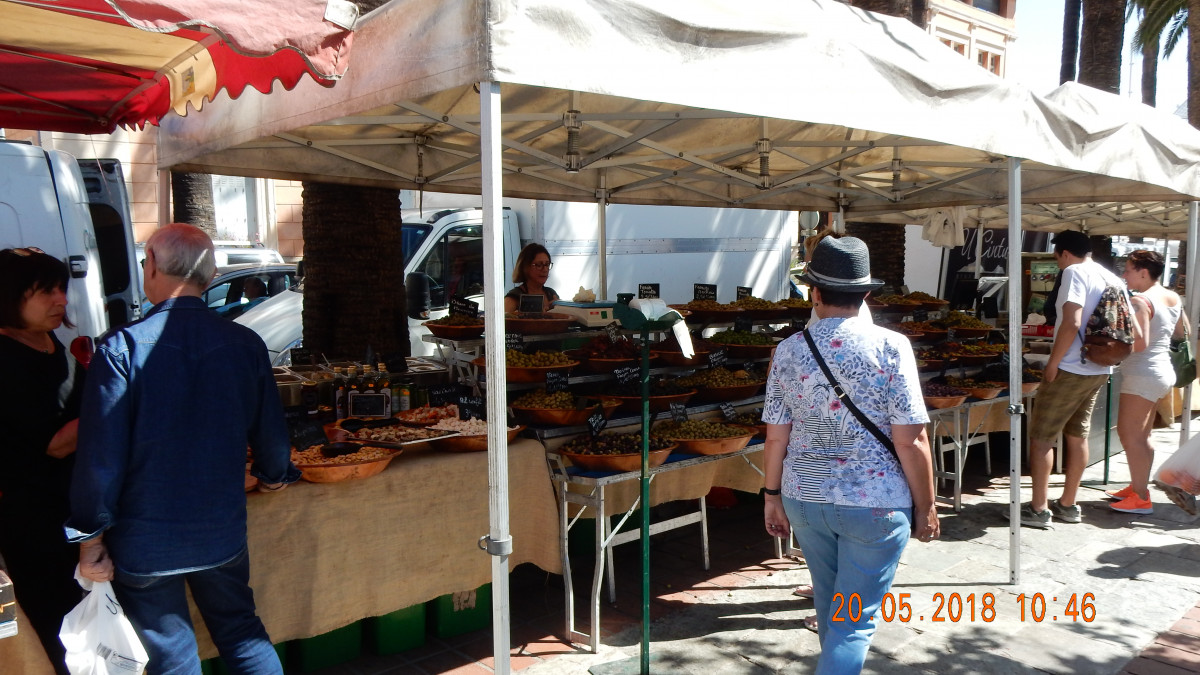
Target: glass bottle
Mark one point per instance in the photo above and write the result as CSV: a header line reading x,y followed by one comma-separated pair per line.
x,y
352,386
383,384
406,394
339,392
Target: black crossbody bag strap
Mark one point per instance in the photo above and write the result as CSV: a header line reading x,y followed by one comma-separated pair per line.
x,y
845,399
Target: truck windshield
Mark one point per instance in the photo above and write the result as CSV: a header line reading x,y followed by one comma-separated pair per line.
x,y
412,235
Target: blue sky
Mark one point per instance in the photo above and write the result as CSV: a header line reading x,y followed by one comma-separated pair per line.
x,y
1034,57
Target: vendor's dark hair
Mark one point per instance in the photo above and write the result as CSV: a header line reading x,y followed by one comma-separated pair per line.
x,y
843,299
1074,242
1151,261
525,259
23,270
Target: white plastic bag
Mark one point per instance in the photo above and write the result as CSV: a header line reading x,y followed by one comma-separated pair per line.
x,y
98,636
1182,469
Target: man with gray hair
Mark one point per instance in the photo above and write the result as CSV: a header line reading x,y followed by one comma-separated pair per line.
x,y
157,499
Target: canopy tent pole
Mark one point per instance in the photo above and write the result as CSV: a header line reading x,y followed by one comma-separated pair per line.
x,y
1191,305
1016,403
499,542
602,234
979,251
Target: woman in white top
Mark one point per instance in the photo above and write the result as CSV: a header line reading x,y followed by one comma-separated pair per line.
x,y
1146,375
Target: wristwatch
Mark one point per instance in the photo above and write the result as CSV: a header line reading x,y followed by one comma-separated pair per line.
x,y
766,491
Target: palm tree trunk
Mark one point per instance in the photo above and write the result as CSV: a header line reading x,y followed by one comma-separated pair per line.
x,y
192,197
1070,41
1100,44
1193,23
353,272
1150,72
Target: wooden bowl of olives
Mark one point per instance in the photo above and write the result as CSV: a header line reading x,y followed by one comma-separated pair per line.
x,y
526,368
615,452
454,331
706,437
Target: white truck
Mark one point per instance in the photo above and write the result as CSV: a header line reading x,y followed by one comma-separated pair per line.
x,y
75,210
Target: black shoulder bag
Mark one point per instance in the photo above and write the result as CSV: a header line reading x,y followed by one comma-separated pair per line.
x,y
862,417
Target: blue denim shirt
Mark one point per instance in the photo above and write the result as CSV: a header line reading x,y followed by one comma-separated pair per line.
x,y
172,401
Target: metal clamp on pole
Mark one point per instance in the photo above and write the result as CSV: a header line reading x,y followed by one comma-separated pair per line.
x,y
496,546
1016,408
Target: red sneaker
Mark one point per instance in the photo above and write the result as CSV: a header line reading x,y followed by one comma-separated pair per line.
x,y
1118,495
1133,504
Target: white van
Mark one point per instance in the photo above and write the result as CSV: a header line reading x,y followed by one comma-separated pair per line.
x,y
45,202
433,246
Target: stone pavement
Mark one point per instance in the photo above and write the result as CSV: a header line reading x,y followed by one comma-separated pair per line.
x,y
1136,577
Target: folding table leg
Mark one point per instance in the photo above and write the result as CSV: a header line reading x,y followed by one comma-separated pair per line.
x,y
704,531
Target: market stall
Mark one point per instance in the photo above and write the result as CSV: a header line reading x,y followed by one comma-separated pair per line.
x,y
693,104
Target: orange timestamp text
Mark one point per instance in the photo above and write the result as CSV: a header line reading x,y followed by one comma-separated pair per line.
x,y
957,607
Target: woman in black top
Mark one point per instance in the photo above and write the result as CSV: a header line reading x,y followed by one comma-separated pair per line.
x,y
39,410
531,272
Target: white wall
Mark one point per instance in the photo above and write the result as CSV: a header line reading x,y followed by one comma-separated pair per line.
x,y
922,262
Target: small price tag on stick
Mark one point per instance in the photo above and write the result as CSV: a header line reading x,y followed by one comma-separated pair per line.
x,y
596,422
647,291
514,341
471,406
728,411
627,374
744,292
679,412
743,324
556,380
613,330
531,304
704,291
464,307
717,358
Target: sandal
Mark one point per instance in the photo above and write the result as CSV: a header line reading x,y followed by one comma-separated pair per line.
x,y
810,623
804,591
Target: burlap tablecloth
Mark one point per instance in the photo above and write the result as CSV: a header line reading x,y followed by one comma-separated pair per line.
x,y
323,556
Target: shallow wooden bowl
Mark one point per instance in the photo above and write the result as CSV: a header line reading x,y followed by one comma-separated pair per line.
x,y
454,332
767,313
529,374
563,417
971,332
622,463
478,443
1028,388
709,315
939,402
934,306
975,359
336,473
602,365
750,351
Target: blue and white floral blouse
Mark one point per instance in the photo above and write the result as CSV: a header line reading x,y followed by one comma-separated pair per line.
x,y
831,457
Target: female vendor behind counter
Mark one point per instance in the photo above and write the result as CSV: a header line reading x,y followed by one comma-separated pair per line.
x,y
531,272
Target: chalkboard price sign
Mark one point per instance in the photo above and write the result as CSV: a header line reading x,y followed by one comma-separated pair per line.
x,y
302,357
728,411
679,412
647,291
596,421
556,380
743,324
613,330
531,304
471,406
951,334
464,307
439,396
717,358
920,315
303,431
627,374
514,341
704,292
744,292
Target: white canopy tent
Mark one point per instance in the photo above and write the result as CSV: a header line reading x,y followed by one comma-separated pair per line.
x,y
785,104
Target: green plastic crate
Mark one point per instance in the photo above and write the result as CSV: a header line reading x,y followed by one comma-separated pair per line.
x,y
324,651
395,632
447,620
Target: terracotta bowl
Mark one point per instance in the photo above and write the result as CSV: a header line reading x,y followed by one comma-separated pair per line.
x,y
709,315
601,365
972,332
983,393
715,446
768,313
1028,388
622,463
935,306
477,443
732,393
677,359
749,351
336,473
632,405
563,417
546,324
454,332
529,374
939,402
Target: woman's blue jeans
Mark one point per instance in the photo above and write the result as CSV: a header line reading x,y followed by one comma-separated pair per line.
x,y
852,553
158,609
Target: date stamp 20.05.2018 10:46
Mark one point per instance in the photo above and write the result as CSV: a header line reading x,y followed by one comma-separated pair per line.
x,y
957,607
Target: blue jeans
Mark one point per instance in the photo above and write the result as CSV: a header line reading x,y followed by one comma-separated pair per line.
x,y
852,553
158,609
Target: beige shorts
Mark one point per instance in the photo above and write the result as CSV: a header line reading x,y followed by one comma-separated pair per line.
x,y
1065,405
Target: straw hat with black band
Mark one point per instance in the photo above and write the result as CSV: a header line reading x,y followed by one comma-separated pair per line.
x,y
841,264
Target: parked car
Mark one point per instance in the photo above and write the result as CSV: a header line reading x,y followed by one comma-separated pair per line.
x,y
227,292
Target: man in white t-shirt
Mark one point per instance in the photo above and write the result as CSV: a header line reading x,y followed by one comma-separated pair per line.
x,y
1068,393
